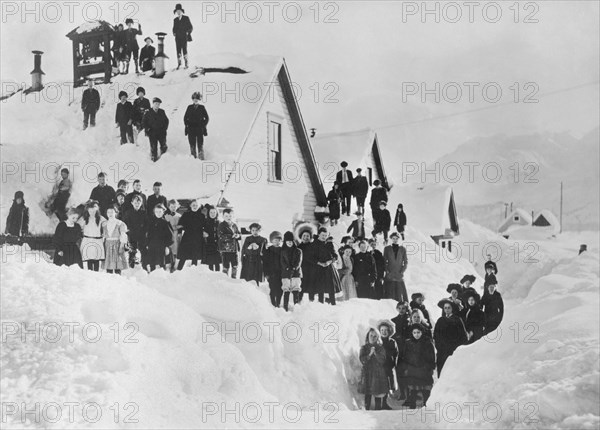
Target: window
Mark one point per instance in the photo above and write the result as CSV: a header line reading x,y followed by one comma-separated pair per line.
x,y
275,148
370,175
516,218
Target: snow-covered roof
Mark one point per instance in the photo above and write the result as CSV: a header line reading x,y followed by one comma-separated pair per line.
x,y
548,216
509,223
91,27
427,207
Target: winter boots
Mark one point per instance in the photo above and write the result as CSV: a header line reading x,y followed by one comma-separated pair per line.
x,y
185,57
179,61
286,299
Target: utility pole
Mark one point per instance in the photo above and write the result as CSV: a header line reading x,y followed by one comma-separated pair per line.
x,y
561,207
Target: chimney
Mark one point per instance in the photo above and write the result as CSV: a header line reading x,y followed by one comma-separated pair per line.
x,y
159,58
36,74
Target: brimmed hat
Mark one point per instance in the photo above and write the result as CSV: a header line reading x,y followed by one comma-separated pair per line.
x,y
390,325
415,296
255,225
456,287
156,99
148,38
383,202
491,280
178,7
466,278
275,235
442,302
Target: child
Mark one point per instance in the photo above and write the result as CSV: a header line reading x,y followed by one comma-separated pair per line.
x,y
173,218
17,222
62,192
159,237
137,191
382,221
291,269
228,241
122,186
124,118
137,225
147,54
66,241
141,105
92,245
272,268
400,220
252,251
347,280
417,300
120,204
490,270
114,233
132,44
402,323
156,198
211,256
357,228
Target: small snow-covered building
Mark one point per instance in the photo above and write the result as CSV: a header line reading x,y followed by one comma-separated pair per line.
x,y
517,219
429,209
358,148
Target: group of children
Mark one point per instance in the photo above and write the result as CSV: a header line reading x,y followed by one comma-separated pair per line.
x,y
400,355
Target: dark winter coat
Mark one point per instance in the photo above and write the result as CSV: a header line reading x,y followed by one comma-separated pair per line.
x,y
182,27
252,268
90,101
137,225
449,333
400,220
66,239
192,241
401,323
156,123
140,107
129,198
124,113
309,266
291,262
334,199
417,362
327,279
378,194
360,186
131,40
474,320
147,54
379,263
159,236
271,260
364,270
422,308
493,307
17,221
120,44
382,220
395,263
347,185
225,232
196,118
105,196
211,247
391,360
374,371
357,230
425,329
152,201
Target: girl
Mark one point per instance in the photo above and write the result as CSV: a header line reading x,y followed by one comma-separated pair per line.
x,y
272,267
373,358
159,238
114,232
400,220
173,218
192,241
347,280
291,269
252,252
212,256
387,330
417,318
418,357
66,241
334,198
17,222
92,245
449,334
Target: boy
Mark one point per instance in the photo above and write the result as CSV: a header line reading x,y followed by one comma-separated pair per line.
x,y
252,252
131,43
272,267
137,191
357,228
124,118
147,54
62,192
156,198
291,270
141,105
383,221
229,236
159,237
103,194
90,103
156,124
136,220
123,186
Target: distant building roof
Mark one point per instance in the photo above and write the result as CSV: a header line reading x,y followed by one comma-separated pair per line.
x,y
91,27
516,219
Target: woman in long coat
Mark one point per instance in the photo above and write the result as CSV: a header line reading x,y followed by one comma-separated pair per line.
x,y
192,241
327,279
17,222
418,357
396,262
387,330
449,333
252,251
212,256
66,241
346,278
159,238
373,358
308,263
114,232
333,199
473,317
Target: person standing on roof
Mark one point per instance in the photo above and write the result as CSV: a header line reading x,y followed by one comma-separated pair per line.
x,y
195,121
360,188
344,178
182,30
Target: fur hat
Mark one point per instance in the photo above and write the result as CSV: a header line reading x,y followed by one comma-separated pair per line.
x,y
470,292
415,296
178,7
456,287
274,235
390,325
467,278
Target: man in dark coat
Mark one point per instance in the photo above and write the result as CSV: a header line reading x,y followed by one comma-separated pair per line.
x,y
344,178
156,124
147,54
17,222
360,188
191,247
90,104
104,194
124,118
136,220
357,227
383,221
182,30
364,272
195,121
155,198
131,43
493,306
380,267
378,194
141,105
396,263
449,333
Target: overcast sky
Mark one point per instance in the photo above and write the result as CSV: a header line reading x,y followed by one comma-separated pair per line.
x,y
363,61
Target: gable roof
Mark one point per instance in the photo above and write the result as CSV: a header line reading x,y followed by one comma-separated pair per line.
x,y
429,209
549,217
90,28
508,222
353,147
